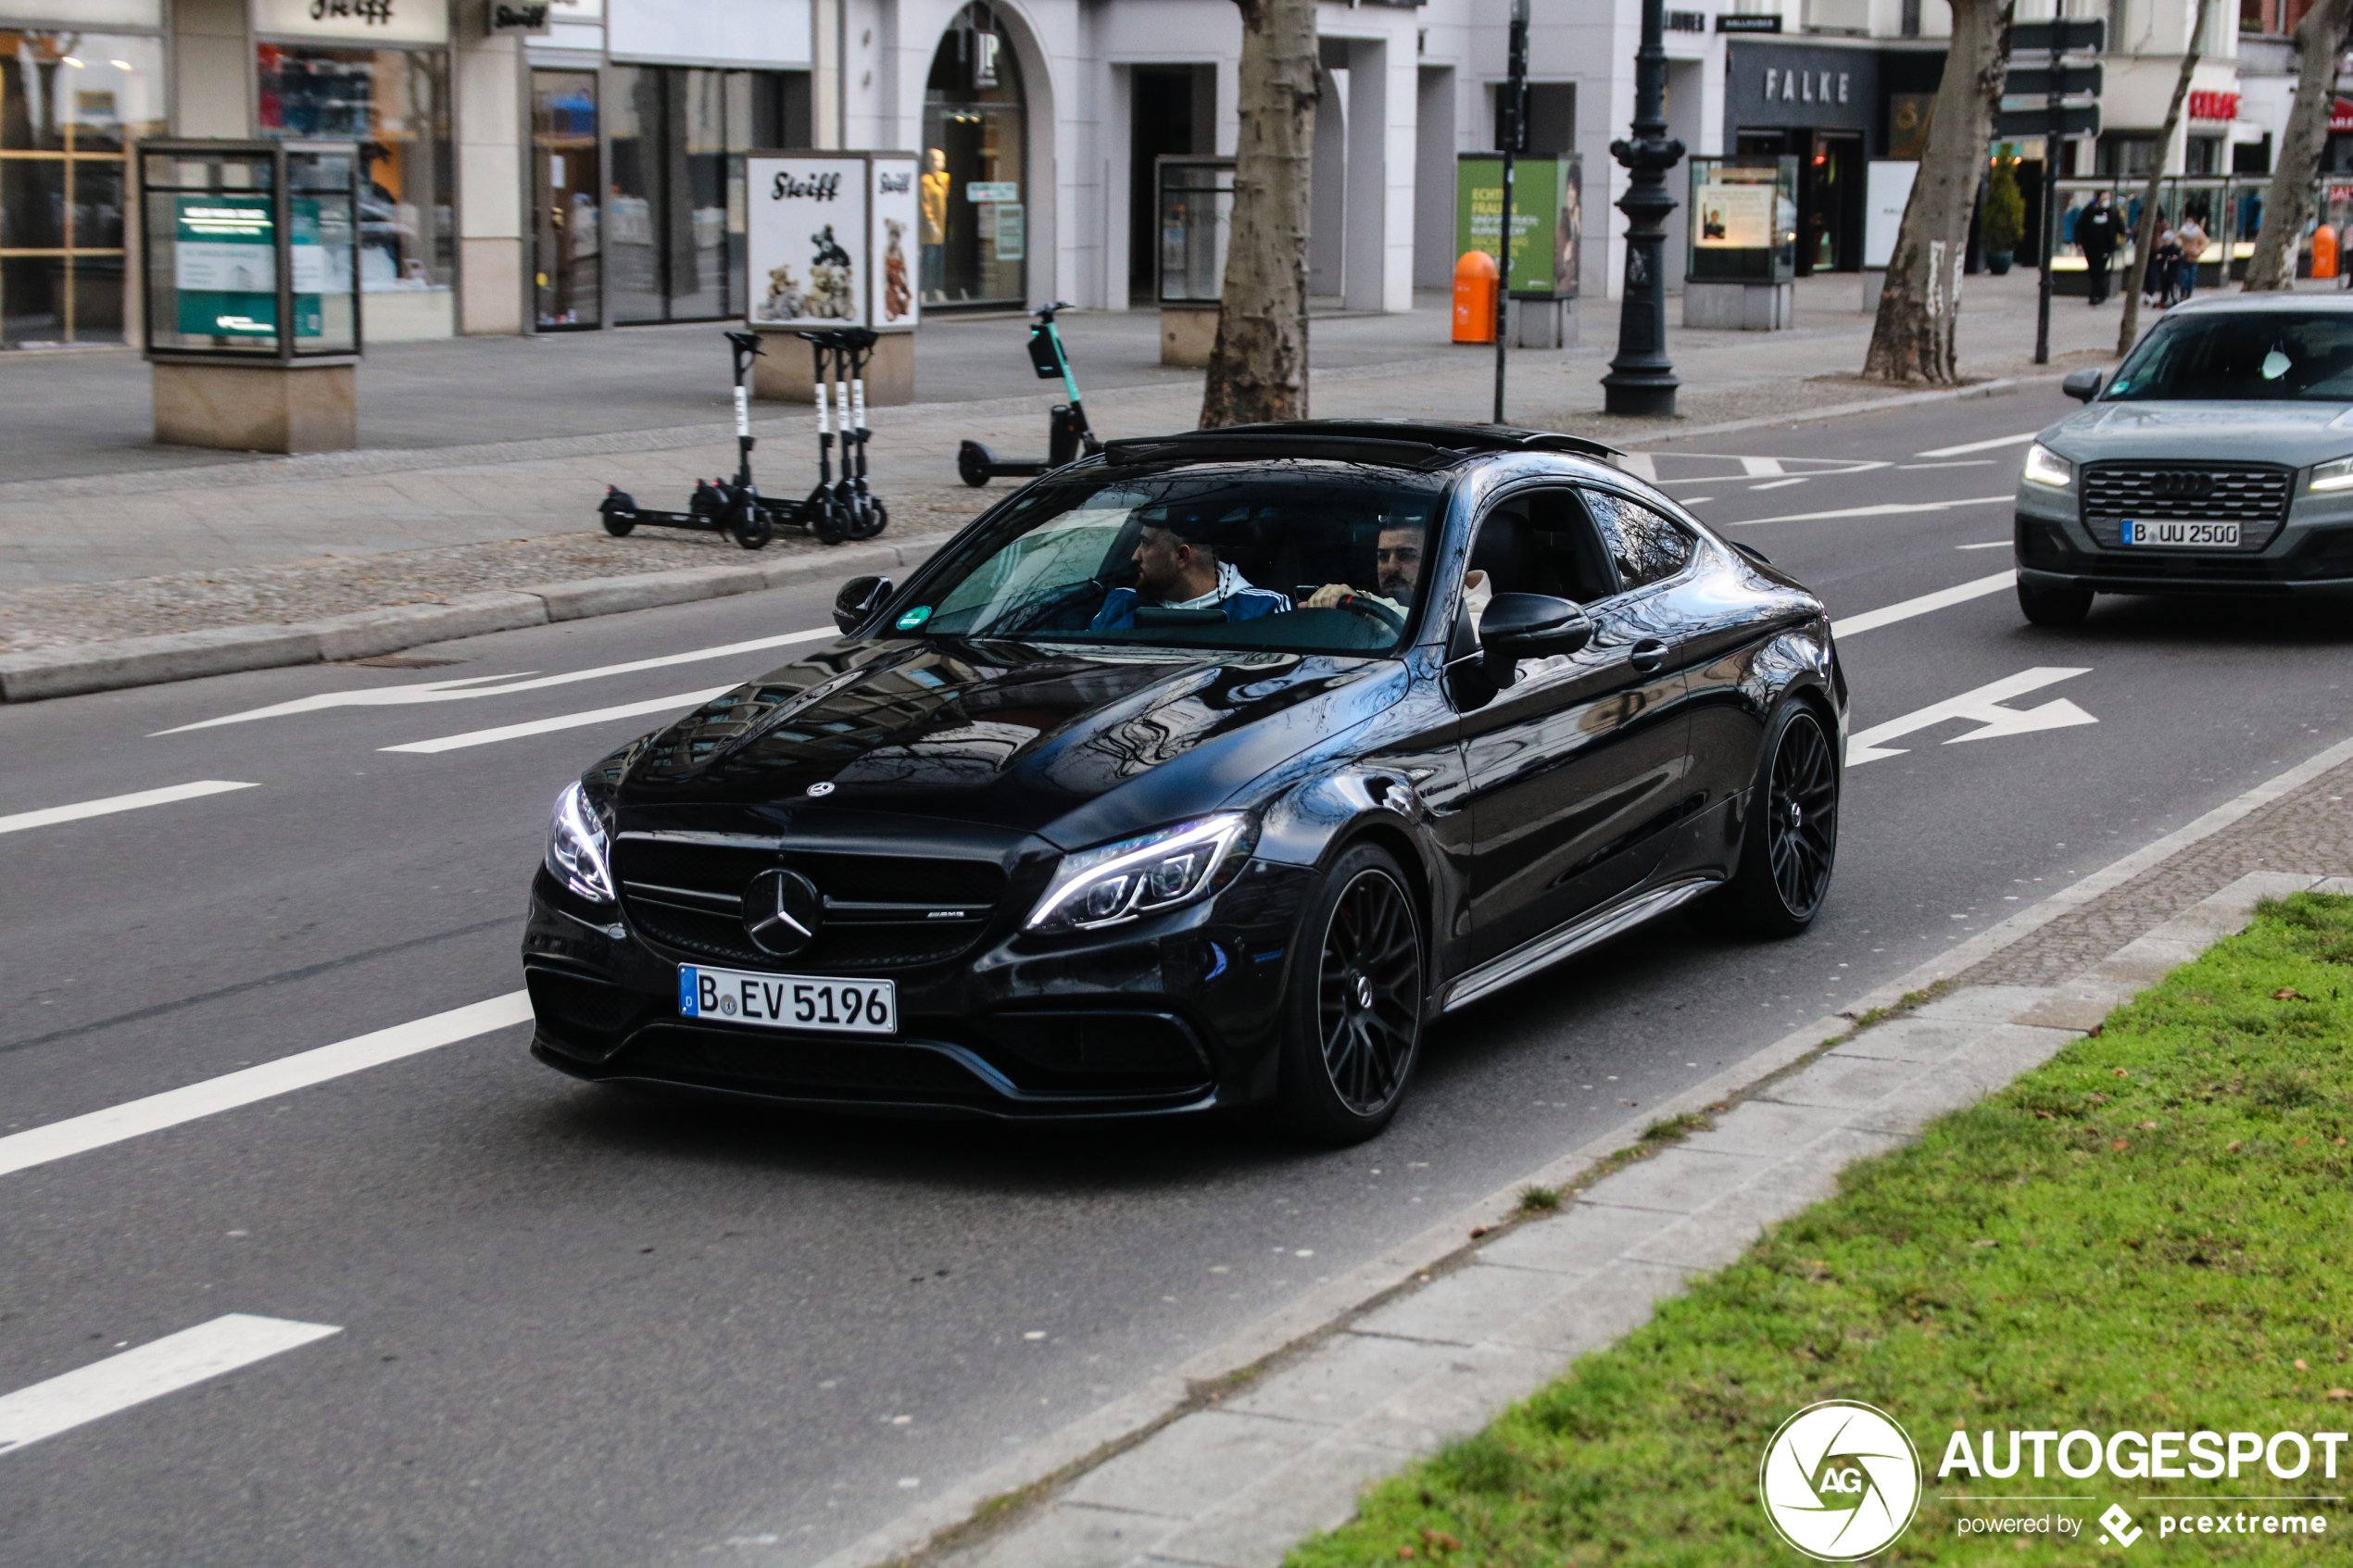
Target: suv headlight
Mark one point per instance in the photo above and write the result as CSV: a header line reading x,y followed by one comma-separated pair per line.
x,y
1146,874
2326,477
2046,467
576,852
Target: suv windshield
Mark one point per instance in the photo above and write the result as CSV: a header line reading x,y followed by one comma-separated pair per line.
x,y
1299,556
2235,355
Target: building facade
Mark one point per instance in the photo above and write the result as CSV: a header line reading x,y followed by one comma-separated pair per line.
x,y
579,176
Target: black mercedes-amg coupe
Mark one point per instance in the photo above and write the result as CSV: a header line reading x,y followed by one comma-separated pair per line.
x,y
1207,773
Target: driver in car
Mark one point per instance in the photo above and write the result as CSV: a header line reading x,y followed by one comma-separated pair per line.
x,y
1397,572
1179,569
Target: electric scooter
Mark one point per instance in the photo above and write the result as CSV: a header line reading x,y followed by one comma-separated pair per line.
x,y
1066,429
736,508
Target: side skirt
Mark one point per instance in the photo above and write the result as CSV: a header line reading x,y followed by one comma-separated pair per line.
x,y
1562,941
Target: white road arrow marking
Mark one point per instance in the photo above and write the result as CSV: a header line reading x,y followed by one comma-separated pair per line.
x,y
1982,704
473,686
561,722
164,1366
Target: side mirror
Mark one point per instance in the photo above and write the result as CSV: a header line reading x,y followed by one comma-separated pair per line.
x,y
857,601
1519,626
2083,385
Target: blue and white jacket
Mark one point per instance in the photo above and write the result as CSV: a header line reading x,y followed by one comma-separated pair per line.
x,y
1233,594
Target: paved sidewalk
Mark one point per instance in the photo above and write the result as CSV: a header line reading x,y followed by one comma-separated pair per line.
x,y
1265,1439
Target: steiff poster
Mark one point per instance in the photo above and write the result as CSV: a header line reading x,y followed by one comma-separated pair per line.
x,y
895,240
806,239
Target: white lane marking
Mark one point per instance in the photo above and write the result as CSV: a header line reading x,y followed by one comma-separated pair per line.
x,y
163,1366
1983,704
1697,500
1966,448
1962,463
1642,465
96,1129
1761,468
561,722
1885,509
113,803
1943,598
1780,483
471,685
1989,544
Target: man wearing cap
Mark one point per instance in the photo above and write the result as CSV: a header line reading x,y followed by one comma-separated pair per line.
x,y
1178,569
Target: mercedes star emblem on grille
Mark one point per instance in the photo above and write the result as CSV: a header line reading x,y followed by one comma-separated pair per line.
x,y
783,912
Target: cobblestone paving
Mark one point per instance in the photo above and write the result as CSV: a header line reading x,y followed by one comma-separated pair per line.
x,y
2309,829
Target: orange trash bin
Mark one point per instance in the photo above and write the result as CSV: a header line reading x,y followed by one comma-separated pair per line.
x,y
1475,297
2324,253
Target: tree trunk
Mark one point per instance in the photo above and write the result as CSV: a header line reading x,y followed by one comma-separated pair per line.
x,y
2145,231
1258,368
1912,339
2288,203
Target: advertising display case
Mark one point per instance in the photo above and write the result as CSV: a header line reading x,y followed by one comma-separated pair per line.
x,y
1540,279
1194,213
249,268
831,240
1743,251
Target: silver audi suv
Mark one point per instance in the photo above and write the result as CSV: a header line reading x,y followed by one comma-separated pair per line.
x,y
2217,459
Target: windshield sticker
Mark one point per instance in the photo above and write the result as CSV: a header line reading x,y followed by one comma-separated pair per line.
x,y
2275,365
914,618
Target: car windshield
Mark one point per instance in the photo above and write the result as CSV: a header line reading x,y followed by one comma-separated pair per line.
x,y
1304,557
2241,356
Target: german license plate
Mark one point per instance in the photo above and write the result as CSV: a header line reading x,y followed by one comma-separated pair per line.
x,y
2173,536
788,1001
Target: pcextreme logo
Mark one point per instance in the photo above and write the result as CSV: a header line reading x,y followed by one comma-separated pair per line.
x,y
1839,1480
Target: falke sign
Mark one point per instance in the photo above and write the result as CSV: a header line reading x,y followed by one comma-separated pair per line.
x,y
2221,106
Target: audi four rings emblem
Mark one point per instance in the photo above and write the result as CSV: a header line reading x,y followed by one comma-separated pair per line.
x,y
2181,486
820,790
783,912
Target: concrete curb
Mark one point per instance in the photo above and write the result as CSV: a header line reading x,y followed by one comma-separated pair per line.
x,y
40,673
935,1529
1237,1478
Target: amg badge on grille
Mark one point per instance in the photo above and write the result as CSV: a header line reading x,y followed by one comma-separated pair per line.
x,y
783,912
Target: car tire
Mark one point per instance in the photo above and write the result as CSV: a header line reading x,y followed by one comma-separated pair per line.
x,y
1352,1014
1791,844
2053,607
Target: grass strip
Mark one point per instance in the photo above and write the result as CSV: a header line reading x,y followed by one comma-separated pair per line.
x,y
2147,1232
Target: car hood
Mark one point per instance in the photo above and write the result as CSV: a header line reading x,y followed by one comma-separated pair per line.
x,y
1078,745
2297,434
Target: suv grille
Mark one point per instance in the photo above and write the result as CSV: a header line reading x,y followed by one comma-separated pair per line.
x,y
882,911
2253,495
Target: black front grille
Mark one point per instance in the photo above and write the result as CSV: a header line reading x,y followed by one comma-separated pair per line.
x,y
781,1065
2255,496
882,911
2326,553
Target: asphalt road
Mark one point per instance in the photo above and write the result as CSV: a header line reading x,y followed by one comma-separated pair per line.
x,y
575,1329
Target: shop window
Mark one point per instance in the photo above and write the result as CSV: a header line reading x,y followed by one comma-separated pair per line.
x,y
395,104
2131,158
975,209
674,220
67,102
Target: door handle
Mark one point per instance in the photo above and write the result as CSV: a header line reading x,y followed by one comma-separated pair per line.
x,y
1647,655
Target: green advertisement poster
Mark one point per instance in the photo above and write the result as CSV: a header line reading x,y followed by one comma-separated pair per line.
x,y
1547,222
225,267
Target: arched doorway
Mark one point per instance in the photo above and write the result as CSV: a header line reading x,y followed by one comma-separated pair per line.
x,y
976,196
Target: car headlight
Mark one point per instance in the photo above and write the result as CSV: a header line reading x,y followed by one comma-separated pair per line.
x,y
576,852
1145,875
2337,475
2046,467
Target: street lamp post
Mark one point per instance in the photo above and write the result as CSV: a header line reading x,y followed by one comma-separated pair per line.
x,y
1641,380
1512,132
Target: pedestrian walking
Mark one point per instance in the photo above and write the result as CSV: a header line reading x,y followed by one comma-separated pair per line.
x,y
2158,279
2191,236
2095,235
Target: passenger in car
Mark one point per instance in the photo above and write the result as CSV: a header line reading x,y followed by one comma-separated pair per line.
x,y
1178,570
1397,572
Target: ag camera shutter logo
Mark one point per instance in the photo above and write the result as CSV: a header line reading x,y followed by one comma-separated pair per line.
x,y
1840,1481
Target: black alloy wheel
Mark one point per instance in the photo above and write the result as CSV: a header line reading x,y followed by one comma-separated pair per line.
x,y
1792,844
1356,1021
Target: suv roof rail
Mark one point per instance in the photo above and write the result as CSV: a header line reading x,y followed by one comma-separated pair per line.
x,y
1407,443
